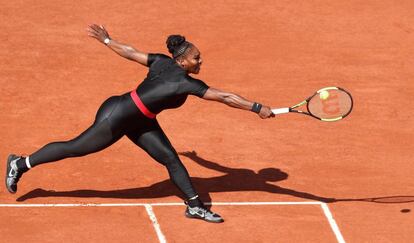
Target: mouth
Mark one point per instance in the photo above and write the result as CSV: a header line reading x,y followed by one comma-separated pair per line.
x,y
197,69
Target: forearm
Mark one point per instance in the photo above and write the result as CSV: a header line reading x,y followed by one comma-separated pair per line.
x,y
236,101
99,32
123,50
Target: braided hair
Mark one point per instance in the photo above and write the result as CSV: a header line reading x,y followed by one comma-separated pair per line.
x,y
177,45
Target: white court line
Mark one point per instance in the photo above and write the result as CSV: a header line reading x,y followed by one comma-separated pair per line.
x,y
263,203
332,222
18,205
148,206
154,221
75,205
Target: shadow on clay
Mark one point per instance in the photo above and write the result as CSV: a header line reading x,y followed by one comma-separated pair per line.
x,y
234,179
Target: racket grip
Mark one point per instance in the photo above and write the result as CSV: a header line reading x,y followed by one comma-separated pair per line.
x,y
280,111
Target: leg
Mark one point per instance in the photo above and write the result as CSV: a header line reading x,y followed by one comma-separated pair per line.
x,y
154,141
105,131
94,139
156,144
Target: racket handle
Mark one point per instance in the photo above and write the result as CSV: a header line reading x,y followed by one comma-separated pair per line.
x,y
280,111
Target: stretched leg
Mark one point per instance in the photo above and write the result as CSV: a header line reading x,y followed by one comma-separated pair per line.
x,y
105,131
156,144
95,138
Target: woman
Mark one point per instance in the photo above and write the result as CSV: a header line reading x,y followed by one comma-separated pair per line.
x,y
133,114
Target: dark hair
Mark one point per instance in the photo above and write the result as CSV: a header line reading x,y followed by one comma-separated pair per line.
x,y
177,45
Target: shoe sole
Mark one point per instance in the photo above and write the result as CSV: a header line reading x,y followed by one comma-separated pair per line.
x,y
198,217
9,159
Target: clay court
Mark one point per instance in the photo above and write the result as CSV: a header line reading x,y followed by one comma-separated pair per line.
x,y
288,179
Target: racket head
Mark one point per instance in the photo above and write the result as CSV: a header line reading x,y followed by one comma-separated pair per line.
x,y
330,104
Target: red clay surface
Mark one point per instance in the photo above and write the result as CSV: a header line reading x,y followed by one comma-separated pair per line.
x,y
283,223
76,224
53,78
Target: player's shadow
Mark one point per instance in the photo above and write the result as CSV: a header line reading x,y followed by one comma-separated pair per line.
x,y
233,180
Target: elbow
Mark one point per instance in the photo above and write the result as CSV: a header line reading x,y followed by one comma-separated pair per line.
x,y
129,51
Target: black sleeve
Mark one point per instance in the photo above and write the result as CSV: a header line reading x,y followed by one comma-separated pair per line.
x,y
153,58
196,87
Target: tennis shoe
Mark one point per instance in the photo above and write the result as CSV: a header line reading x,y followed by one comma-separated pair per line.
x,y
12,173
203,213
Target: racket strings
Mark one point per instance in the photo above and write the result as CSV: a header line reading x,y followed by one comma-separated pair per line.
x,y
336,104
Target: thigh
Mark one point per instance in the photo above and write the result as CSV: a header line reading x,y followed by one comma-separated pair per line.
x,y
99,136
94,139
154,141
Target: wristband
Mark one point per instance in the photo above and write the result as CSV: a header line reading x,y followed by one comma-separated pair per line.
x,y
256,107
107,40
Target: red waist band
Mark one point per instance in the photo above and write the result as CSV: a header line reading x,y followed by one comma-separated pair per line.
x,y
141,105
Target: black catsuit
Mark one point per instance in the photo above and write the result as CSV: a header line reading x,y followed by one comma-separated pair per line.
x,y
166,86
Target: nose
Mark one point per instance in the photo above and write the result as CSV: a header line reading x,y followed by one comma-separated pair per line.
x,y
200,61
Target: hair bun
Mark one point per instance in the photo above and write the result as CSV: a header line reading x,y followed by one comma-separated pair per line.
x,y
173,42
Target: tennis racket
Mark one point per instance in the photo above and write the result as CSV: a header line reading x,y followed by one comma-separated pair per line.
x,y
327,104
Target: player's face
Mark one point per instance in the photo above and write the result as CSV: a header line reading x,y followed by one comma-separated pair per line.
x,y
193,61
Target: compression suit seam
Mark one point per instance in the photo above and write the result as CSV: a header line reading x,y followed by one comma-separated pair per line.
x,y
107,118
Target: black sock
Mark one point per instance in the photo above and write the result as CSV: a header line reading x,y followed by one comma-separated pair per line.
x,y
195,203
21,165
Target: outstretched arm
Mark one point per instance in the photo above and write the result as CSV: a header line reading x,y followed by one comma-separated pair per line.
x,y
208,164
237,101
99,32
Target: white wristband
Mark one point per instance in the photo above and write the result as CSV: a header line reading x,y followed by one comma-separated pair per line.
x,y
107,40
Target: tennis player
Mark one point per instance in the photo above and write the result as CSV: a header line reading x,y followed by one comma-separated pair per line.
x,y
133,114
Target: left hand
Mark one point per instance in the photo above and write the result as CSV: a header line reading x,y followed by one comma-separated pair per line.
x,y
98,32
